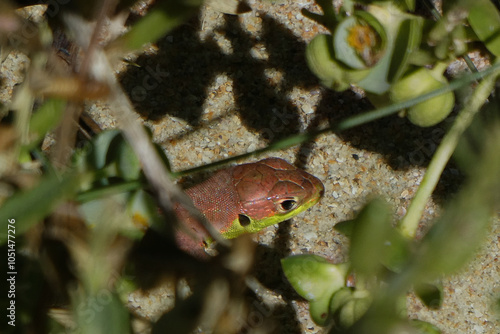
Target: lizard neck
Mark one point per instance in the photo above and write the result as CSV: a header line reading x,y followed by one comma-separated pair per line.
x,y
218,200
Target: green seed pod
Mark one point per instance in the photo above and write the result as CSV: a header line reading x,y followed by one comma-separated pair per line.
x,y
419,82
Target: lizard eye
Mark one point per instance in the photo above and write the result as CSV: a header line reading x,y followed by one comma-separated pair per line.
x,y
244,220
288,204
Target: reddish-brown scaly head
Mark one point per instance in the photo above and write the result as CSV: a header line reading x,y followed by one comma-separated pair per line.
x,y
271,191
249,197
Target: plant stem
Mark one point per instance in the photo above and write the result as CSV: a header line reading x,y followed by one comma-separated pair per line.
x,y
409,224
347,123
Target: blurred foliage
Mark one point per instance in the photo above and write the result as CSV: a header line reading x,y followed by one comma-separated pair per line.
x,y
82,236
381,47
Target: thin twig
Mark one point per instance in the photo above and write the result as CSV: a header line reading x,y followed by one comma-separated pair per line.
x,y
153,167
349,122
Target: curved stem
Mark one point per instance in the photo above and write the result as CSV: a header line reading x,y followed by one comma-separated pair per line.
x,y
347,123
409,224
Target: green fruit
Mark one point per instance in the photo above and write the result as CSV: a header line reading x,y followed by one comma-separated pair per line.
x,y
419,82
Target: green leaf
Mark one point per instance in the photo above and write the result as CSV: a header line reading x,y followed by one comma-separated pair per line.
x,y
340,298
315,279
470,146
122,156
100,148
371,229
396,252
345,227
319,310
348,305
45,119
424,327
407,42
30,206
353,310
100,192
102,312
158,21
312,275
382,316
484,19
